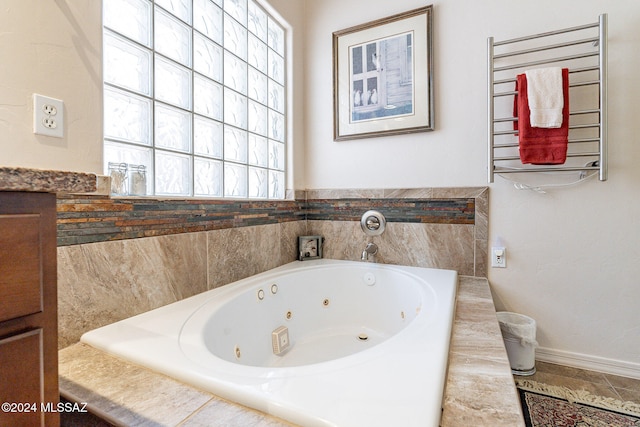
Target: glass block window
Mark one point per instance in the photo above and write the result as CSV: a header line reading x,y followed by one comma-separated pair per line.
x,y
194,98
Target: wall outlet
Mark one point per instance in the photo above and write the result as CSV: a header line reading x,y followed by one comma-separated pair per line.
x,y
498,257
48,116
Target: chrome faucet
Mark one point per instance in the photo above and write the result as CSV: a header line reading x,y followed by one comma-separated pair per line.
x,y
371,249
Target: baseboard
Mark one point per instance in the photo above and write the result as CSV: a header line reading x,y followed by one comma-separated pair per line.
x,y
592,363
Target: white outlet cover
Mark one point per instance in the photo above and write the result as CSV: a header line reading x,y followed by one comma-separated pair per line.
x,y
498,257
48,116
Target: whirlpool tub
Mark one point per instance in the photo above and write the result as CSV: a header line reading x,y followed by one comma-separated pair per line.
x,y
317,343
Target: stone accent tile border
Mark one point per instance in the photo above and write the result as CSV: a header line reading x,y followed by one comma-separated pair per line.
x,y
97,219
88,219
433,211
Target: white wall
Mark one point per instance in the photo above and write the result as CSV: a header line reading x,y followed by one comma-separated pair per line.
x,y
574,253
52,48
293,13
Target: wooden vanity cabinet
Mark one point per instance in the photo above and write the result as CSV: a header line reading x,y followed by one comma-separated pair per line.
x,y
28,310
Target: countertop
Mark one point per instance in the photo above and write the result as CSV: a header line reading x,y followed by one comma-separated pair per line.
x,y
46,181
480,390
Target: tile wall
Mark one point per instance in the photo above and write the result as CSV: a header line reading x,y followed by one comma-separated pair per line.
x,y
121,257
429,227
100,283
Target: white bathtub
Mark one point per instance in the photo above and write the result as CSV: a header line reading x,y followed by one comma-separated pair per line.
x,y
368,342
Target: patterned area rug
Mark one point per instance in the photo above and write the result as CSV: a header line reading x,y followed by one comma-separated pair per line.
x,y
551,406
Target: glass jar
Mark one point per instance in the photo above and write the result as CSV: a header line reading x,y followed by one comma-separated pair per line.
x,y
118,174
137,180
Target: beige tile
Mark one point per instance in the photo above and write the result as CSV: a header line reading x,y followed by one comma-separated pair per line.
x,y
596,383
221,413
623,382
481,400
458,192
446,246
289,232
101,283
561,372
237,253
628,394
343,239
574,379
480,390
411,193
123,393
425,192
343,193
481,257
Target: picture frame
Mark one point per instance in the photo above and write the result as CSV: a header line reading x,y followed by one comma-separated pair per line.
x,y
383,76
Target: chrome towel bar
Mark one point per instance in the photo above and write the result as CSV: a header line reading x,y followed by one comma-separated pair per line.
x,y
581,49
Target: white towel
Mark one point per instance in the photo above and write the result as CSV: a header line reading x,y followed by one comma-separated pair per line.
x,y
544,89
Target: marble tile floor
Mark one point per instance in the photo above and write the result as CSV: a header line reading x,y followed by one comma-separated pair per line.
x,y
597,383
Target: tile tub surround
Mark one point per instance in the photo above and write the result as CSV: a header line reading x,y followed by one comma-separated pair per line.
x,y
479,391
436,215
101,283
443,246
121,257
428,227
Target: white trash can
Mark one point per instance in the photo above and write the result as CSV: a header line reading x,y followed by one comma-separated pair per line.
x,y
519,334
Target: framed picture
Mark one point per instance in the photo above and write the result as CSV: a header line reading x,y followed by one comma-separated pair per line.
x,y
383,77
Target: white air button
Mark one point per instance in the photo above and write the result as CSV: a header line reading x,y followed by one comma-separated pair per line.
x,y
369,278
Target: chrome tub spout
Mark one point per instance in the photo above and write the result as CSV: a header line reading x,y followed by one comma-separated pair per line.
x,y
371,249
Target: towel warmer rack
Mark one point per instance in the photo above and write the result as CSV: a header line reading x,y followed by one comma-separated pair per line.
x,y
585,55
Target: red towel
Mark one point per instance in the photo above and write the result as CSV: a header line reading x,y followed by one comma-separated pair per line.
x,y
541,146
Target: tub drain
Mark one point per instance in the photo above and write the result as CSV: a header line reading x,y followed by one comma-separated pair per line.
x,y
363,337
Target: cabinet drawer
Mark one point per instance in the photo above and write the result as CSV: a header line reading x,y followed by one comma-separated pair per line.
x,y
21,379
20,265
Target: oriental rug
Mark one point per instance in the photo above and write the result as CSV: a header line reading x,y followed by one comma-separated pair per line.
x,y
544,405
